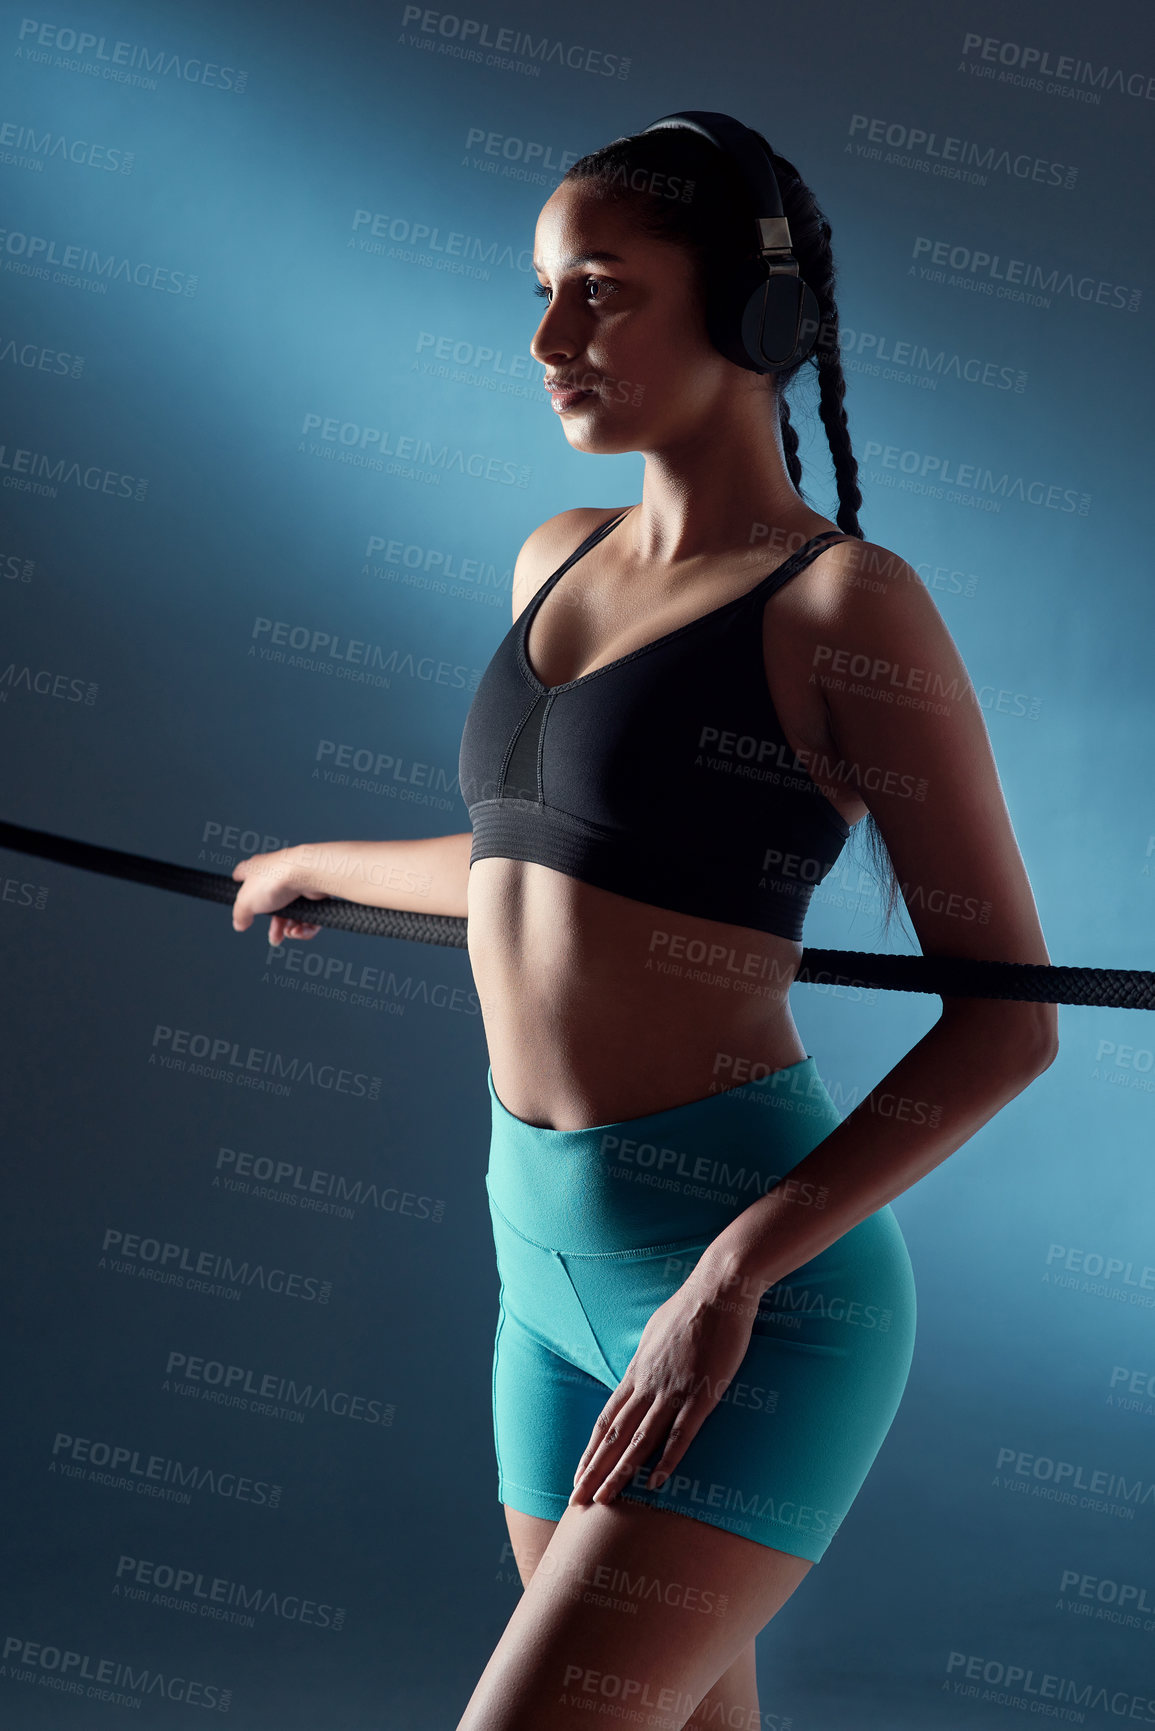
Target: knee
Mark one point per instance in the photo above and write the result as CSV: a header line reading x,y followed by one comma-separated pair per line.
x,y
732,1703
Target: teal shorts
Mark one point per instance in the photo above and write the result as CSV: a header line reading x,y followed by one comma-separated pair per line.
x,y
595,1228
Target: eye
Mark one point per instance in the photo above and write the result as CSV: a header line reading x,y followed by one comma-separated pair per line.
x,y
601,282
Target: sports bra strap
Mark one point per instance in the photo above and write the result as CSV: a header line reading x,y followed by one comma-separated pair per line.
x,y
790,567
797,561
594,536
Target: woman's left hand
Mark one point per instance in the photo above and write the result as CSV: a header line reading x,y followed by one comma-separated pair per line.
x,y
689,1351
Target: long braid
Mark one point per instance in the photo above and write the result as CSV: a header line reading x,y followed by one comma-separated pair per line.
x,y
810,235
789,442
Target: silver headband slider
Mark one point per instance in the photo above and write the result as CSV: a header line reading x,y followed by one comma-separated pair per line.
x,y
774,234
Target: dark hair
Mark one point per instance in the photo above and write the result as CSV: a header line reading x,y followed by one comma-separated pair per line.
x,y
686,191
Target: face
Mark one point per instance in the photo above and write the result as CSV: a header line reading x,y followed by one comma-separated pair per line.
x,y
622,325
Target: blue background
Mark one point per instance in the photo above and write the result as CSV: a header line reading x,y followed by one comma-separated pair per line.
x,y
139,711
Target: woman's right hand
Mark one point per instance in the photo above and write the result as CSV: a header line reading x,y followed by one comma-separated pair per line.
x,y
270,881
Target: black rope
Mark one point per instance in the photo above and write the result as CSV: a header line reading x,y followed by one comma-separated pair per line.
x,y
946,976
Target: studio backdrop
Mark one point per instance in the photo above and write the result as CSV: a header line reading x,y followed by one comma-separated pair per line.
x,y
270,439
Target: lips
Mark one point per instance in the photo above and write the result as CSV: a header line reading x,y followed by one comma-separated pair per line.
x,y
564,396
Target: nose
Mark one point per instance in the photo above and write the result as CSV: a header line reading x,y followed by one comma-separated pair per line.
x,y
551,341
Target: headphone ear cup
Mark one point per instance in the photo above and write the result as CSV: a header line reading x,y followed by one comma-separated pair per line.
x,y
811,324
726,315
780,322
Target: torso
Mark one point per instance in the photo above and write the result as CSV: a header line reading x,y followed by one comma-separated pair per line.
x,y
580,1031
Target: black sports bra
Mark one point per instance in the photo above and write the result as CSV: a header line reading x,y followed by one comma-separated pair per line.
x,y
664,776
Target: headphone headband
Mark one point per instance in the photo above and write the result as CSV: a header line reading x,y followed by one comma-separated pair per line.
x,y
746,151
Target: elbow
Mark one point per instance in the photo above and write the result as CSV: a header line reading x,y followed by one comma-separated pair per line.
x,y
1023,1037
1052,1050
1041,1037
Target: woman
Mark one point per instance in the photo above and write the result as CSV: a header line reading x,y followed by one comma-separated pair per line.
x,y
707,1306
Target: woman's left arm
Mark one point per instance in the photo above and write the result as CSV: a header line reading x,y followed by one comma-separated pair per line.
x,y
915,720
914,716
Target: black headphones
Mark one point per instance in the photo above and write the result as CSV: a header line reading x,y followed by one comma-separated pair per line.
x,y
766,317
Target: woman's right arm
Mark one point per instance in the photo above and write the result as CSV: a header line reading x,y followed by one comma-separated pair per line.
x,y
429,875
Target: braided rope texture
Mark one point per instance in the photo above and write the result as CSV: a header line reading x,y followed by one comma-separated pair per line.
x,y
946,976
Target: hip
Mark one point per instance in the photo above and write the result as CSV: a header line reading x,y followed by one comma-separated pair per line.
x,y
616,1216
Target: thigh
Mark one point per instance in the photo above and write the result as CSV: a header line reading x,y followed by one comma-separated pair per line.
x,y
784,1453
528,1535
734,1694
628,1608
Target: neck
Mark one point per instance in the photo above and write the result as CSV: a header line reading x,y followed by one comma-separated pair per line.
x,y
721,489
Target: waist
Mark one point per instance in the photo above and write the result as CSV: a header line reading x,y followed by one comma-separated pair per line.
x,y
698,868
589,997
666,1176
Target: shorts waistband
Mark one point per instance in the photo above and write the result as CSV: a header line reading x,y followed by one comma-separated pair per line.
x,y
665,1176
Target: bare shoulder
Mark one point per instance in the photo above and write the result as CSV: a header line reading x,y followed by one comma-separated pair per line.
x,y
859,597
551,544
872,599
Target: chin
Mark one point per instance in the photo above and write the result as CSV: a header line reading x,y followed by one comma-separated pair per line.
x,y
601,441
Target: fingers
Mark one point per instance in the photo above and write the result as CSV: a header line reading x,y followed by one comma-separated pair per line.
x,y
265,880
281,928
631,1437
602,1425
681,1434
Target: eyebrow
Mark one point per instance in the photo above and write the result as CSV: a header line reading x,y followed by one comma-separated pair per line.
x,y
586,258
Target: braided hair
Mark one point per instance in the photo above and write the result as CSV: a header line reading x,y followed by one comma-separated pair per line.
x,y
682,189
